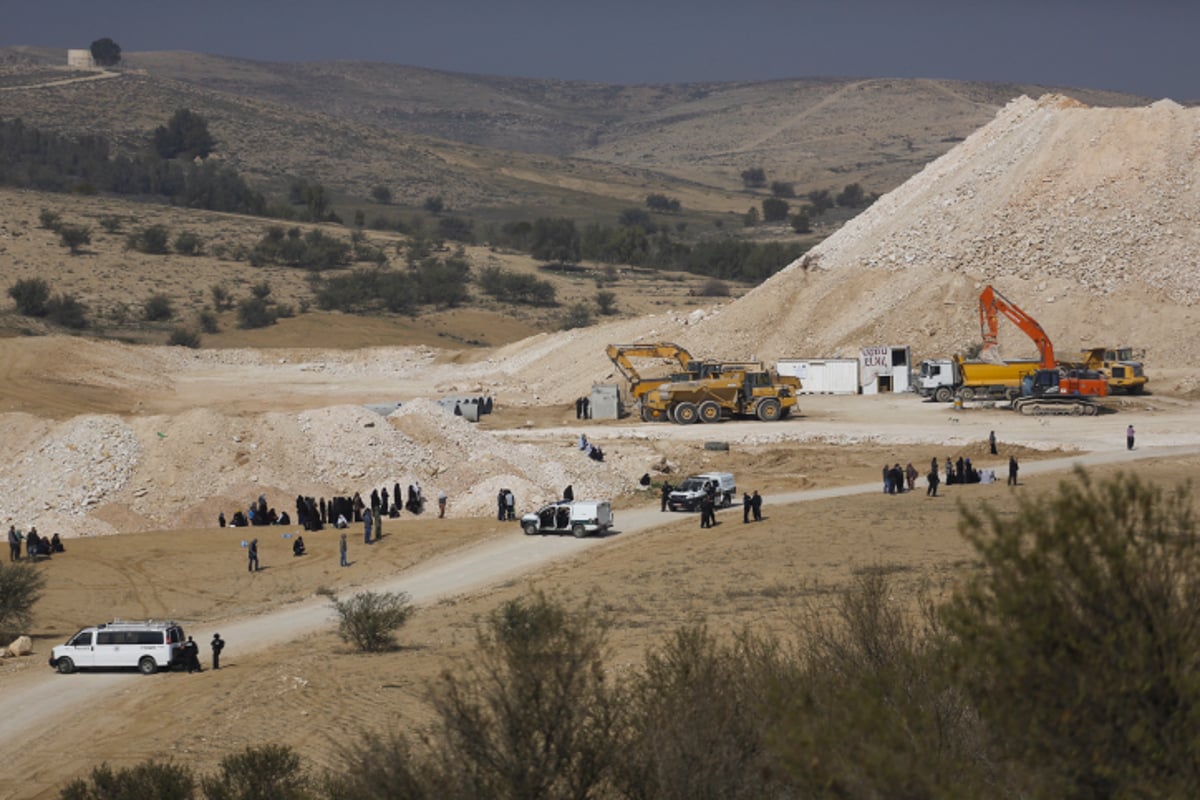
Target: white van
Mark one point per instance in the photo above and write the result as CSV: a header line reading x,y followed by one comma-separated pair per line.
x,y
687,495
148,645
580,517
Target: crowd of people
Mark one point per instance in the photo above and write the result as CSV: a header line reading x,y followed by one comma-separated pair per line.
x,y
313,514
592,451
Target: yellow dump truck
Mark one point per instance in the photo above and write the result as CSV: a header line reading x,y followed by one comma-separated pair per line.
x,y
944,379
736,390
1116,364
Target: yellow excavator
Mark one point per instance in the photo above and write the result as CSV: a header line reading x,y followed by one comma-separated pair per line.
x,y
688,368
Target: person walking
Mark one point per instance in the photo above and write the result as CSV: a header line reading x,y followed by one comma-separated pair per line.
x,y
756,502
747,503
217,644
1129,438
441,504
342,552
992,442
1012,470
367,520
252,555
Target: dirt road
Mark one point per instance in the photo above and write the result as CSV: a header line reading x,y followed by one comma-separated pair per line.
x,y
36,703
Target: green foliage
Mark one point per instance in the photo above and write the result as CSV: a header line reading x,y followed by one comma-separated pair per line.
x,y
111,223
782,189
754,178
68,311
313,198
222,300
367,290
313,250
637,218
512,287
554,240
381,195
183,336
152,240
188,244
821,201
184,136
31,296
750,218
49,219
150,780
442,283
774,209
1080,638
261,290
106,52
207,321
434,205
157,308
255,312
268,772
21,586
456,229
801,223
852,196
662,203
369,620
579,315
606,302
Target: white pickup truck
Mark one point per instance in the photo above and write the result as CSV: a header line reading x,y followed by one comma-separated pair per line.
x,y
580,517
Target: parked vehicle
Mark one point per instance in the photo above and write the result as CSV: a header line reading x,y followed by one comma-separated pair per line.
x,y
687,496
579,517
147,645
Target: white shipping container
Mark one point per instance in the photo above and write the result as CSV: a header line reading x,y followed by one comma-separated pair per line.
x,y
822,375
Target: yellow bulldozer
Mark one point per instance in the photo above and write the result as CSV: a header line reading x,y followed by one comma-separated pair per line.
x,y
1116,364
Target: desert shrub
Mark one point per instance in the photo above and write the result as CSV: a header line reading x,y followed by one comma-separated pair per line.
x,y
106,52
713,288
754,177
381,195
31,296
48,219
189,244
606,302
852,196
261,290
111,224
512,287
554,239
442,283
183,336
801,222
369,620
222,299
434,205
660,202
782,189
207,320
292,248
579,315
150,779
774,209
68,311
456,229
157,308
1079,638
821,201
364,290
21,586
184,136
152,240
255,312
268,772
750,219
636,218
364,250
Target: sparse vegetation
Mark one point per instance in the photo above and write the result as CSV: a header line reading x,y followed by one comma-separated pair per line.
x,y
188,244
68,311
152,240
157,308
293,248
754,178
434,205
579,315
369,620
512,287
782,189
183,336
184,136
381,195
49,219
606,302
21,586
774,209
207,320
662,203
31,296
106,52
111,223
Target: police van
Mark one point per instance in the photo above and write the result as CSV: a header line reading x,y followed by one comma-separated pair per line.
x,y
147,645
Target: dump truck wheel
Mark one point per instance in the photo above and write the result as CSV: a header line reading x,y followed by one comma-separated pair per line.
x,y
966,393
710,411
769,410
943,394
686,413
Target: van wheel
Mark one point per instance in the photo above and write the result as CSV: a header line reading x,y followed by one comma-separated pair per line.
x,y
65,666
531,528
578,530
148,665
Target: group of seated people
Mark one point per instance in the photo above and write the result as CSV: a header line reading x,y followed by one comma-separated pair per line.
x,y
38,546
965,473
592,451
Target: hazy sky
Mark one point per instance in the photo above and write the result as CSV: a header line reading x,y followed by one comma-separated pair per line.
x,y
1147,47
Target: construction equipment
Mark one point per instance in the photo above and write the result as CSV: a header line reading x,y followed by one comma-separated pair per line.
x,y
1117,365
1051,388
621,355
734,390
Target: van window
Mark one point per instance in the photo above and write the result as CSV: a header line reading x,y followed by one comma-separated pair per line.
x,y
174,635
147,637
81,639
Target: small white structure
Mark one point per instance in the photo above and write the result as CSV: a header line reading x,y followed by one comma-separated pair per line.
x,y
604,402
822,375
886,368
80,59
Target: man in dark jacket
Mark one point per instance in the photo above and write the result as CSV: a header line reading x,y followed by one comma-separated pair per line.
x,y
218,644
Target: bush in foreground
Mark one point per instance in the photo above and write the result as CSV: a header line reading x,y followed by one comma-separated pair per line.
x,y
21,587
369,620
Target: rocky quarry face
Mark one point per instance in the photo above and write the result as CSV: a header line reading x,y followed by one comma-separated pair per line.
x,y
1085,217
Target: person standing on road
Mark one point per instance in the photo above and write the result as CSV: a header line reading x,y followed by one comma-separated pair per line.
x,y
756,505
252,555
1129,438
367,520
217,644
665,495
1012,470
747,504
992,442
342,552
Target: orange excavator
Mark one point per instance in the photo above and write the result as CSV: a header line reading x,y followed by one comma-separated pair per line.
x,y
1053,388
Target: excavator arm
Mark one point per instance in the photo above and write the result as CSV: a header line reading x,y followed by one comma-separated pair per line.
x,y
620,355
992,304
